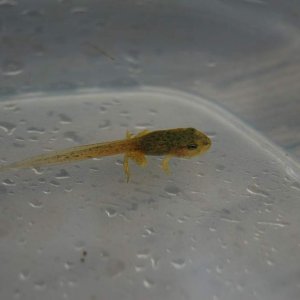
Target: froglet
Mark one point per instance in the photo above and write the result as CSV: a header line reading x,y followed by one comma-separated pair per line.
x,y
178,142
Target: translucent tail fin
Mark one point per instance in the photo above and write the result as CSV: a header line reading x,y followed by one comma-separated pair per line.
x,y
70,155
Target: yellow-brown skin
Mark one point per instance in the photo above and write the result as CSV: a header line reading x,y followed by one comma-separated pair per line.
x,y
179,142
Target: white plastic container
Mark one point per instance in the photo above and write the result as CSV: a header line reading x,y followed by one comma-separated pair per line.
x,y
222,226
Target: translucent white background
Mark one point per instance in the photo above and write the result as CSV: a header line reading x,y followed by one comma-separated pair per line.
x,y
242,54
222,226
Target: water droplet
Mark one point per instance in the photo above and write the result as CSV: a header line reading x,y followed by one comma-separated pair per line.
x,y
133,56
255,190
32,13
79,10
46,192
142,126
110,212
72,283
155,263
8,182
296,186
79,245
24,275
220,168
8,2
21,241
124,113
270,262
36,130
18,145
63,174
7,127
12,68
153,111
17,294
64,119
143,254
115,267
68,189
219,269
140,267
33,138
40,285
119,162
54,183
20,139
212,135
104,254
211,64
182,219
148,231
212,229
259,2
36,203
148,283
239,288
178,263
103,109
68,265
172,190
11,107
73,137
104,124
37,170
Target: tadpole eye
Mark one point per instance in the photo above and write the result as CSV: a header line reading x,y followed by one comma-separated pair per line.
x,y
192,146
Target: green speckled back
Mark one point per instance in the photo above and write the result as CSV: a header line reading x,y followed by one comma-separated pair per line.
x,y
164,142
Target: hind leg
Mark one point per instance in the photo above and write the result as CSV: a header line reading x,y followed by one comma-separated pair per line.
x,y
138,157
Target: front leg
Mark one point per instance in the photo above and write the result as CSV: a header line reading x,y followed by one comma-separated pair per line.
x,y
165,164
126,167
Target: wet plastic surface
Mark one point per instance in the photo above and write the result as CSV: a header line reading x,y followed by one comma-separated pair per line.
x,y
221,226
242,54
224,225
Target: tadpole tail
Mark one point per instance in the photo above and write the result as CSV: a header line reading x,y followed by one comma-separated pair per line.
x,y
70,155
